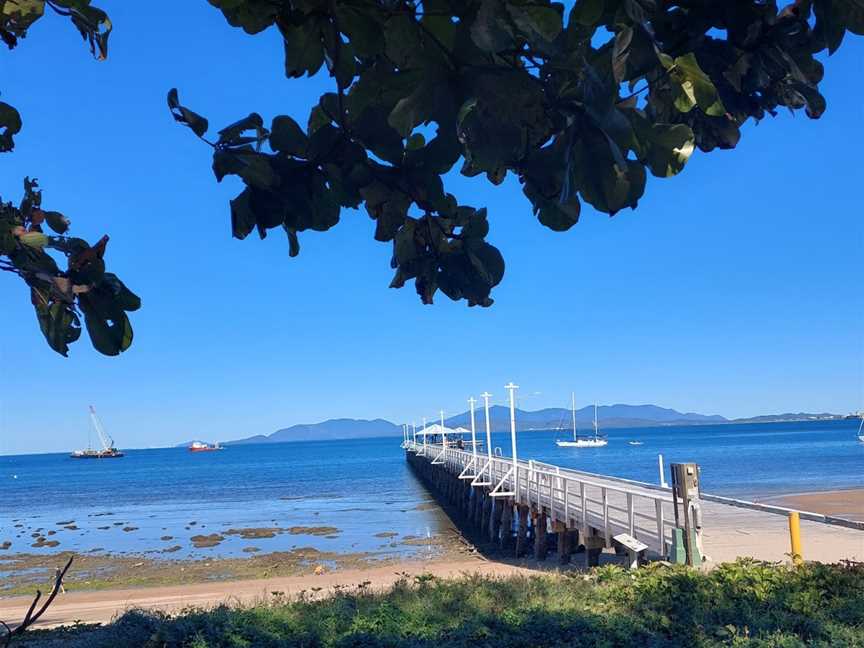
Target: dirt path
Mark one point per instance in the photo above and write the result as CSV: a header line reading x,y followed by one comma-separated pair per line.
x,y
102,606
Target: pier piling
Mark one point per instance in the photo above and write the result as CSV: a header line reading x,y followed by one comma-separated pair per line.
x,y
522,530
540,544
563,542
506,539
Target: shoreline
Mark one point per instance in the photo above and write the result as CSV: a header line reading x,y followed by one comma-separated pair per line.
x,y
101,606
842,502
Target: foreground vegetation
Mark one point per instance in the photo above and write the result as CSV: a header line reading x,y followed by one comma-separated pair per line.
x,y
738,604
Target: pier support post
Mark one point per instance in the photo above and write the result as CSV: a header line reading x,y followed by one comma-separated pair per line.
x,y
481,506
593,548
486,515
476,497
573,540
563,542
540,545
497,514
522,530
506,525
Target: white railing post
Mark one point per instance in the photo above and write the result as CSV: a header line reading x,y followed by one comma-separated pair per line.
x,y
663,483
605,514
486,396
566,501
661,531
443,434
471,402
512,389
631,518
584,499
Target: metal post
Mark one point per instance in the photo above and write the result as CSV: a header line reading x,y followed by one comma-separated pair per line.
x,y
443,434
471,402
795,537
512,389
424,436
414,431
685,483
486,396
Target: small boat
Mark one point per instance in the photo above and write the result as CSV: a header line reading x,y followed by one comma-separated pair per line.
x,y
634,442
198,446
596,441
108,450
861,429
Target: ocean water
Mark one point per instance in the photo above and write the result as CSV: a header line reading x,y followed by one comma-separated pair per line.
x,y
363,488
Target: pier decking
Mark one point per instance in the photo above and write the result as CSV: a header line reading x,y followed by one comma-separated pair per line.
x,y
499,497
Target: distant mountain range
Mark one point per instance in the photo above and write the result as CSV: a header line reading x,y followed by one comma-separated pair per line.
x,y
609,416
328,430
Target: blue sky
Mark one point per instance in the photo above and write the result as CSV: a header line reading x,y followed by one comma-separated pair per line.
x,y
734,288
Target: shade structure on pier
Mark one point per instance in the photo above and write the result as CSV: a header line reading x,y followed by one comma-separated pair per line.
x,y
436,429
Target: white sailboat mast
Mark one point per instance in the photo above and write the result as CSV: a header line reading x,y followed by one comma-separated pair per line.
x,y
107,441
573,409
595,420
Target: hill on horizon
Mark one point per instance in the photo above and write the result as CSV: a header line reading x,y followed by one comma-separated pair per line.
x,y
619,415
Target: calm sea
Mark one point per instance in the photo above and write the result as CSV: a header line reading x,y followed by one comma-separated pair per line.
x,y
363,487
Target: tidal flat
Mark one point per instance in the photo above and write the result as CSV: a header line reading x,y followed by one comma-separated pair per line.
x,y
23,573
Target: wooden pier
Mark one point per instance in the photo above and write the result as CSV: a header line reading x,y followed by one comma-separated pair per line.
x,y
528,507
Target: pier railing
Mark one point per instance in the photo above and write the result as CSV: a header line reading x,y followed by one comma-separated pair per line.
x,y
592,503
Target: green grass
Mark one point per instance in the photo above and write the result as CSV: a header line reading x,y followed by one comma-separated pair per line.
x,y
738,604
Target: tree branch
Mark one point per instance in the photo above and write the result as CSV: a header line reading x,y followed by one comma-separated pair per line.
x,y
30,618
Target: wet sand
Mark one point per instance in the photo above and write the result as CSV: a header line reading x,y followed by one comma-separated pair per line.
x,y
22,573
847,504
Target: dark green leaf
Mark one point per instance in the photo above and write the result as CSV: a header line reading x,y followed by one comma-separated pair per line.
x,y
286,136
304,50
57,221
587,12
10,122
193,120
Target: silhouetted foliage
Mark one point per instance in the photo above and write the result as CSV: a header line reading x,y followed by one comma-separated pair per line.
x,y
579,107
60,296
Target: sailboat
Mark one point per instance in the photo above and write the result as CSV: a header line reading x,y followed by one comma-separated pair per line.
x,y
861,429
108,450
596,441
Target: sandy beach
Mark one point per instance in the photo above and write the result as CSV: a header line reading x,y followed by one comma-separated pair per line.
x,y
102,606
847,504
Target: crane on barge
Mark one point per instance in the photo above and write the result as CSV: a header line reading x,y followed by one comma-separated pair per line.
x,y
108,450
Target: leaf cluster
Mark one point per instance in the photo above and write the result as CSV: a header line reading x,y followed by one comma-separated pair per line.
x,y
61,296
32,239
579,107
17,16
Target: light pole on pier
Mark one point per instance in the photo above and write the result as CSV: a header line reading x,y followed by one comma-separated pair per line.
x,y
424,436
512,389
471,402
414,431
486,396
443,433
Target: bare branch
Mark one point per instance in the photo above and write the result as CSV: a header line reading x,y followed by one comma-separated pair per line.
x,y
30,618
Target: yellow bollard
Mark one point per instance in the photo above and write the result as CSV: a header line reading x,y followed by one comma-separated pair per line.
x,y
795,537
